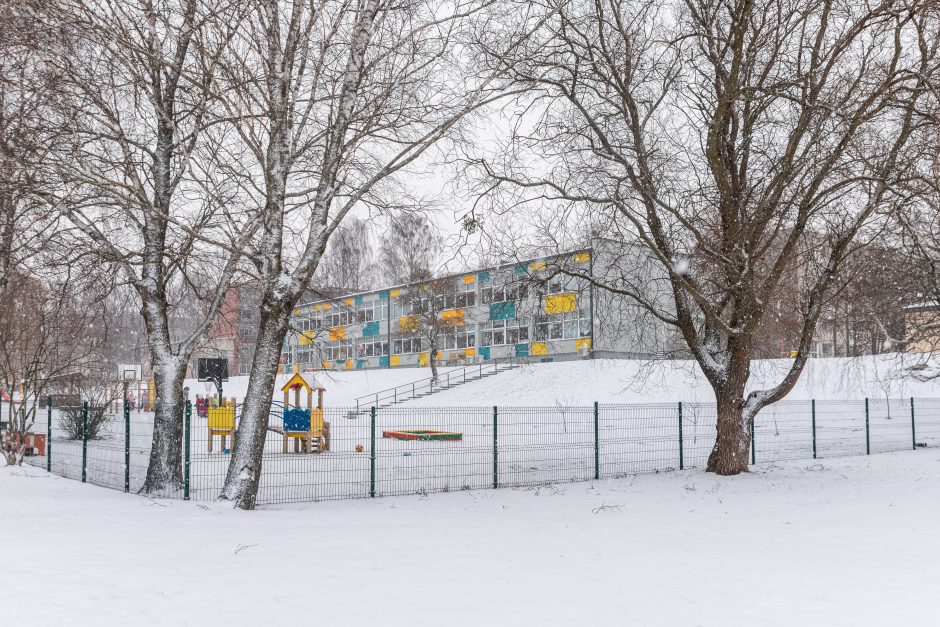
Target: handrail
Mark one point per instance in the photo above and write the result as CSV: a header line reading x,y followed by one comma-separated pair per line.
x,y
409,391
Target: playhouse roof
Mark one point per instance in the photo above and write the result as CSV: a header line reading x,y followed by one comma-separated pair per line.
x,y
296,381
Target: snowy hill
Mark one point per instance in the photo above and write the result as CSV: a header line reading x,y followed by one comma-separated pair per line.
x,y
621,381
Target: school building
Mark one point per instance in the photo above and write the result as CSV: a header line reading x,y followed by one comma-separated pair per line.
x,y
541,309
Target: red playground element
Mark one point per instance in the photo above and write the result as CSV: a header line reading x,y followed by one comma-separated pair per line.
x,y
35,442
422,435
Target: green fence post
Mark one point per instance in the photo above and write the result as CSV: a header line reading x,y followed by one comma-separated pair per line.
x,y
813,406
597,444
127,445
495,447
187,421
753,444
372,453
681,452
913,429
49,434
867,431
84,441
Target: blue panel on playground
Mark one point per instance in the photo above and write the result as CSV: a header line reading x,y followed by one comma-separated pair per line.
x,y
485,352
371,329
357,300
522,350
296,419
383,361
503,311
383,295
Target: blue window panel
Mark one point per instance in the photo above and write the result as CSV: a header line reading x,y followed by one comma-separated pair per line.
x,y
383,295
485,352
296,419
357,300
521,270
371,329
360,364
383,361
483,276
503,311
522,350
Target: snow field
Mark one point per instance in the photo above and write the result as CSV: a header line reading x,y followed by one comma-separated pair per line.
x,y
847,541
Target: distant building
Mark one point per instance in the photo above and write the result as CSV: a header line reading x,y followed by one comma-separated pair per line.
x,y
540,309
922,328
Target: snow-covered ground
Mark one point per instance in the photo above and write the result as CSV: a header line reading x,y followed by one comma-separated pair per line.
x,y
622,381
849,541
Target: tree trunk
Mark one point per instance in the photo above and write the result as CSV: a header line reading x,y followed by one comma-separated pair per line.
x,y
432,361
165,470
244,471
731,452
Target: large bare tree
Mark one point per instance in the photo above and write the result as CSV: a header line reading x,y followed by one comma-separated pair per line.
x,y
337,100
137,176
729,139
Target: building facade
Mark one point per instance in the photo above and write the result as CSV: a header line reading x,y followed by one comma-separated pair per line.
x,y
541,309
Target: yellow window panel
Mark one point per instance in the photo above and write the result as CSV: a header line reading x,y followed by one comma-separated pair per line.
x,y
440,355
539,348
535,266
325,365
349,364
470,278
584,342
582,257
424,359
316,307
469,352
395,360
307,337
561,303
409,323
296,312
296,368
337,333
453,317
325,306
394,293
348,301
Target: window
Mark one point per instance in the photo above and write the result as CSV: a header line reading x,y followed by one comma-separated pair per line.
x,y
459,339
376,348
566,326
502,292
405,346
499,332
372,308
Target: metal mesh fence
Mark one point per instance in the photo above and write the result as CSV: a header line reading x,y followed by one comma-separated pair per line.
x,y
360,453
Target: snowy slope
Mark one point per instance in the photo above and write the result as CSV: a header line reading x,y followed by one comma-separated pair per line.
x,y
849,541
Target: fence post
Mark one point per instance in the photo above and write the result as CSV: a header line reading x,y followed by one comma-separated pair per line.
x,y
187,421
813,408
127,445
913,429
753,443
867,431
681,451
495,448
49,433
84,440
597,444
372,452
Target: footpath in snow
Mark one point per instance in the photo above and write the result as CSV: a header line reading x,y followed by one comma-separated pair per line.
x,y
849,541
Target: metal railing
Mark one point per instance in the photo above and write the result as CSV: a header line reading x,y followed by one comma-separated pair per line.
x,y
421,387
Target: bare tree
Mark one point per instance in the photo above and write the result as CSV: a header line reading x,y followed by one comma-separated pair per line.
x,y
410,249
48,331
348,262
334,100
137,176
728,139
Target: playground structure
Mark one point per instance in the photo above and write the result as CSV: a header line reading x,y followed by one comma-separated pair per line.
x,y
422,435
305,425
222,423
